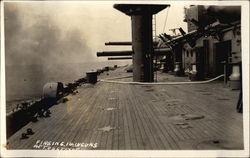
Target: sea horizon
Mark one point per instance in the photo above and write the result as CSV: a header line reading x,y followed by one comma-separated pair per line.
x,y
25,82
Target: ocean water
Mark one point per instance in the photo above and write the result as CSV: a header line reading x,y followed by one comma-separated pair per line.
x,y
25,82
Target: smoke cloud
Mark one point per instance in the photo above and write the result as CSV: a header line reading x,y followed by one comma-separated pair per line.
x,y
33,35
52,41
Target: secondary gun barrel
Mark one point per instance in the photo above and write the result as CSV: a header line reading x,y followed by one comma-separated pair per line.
x,y
120,58
122,43
119,43
157,52
162,51
114,53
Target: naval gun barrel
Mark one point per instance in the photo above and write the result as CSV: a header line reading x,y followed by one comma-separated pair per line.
x,y
157,52
115,53
162,51
120,58
119,43
122,43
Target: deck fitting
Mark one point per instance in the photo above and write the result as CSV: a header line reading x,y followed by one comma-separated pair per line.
x,y
30,131
34,119
24,136
47,113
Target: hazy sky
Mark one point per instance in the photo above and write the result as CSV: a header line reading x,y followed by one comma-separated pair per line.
x,y
70,31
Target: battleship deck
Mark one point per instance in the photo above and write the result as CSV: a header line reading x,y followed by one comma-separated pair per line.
x,y
124,116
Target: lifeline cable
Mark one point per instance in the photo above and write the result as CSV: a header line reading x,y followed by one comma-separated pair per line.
x,y
163,83
115,78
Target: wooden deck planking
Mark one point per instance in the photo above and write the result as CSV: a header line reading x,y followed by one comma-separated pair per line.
x,y
92,111
193,134
177,135
105,121
141,136
120,124
179,132
116,141
140,109
161,126
49,124
97,119
157,142
144,129
110,138
86,116
207,112
140,118
112,104
70,122
161,110
129,138
201,99
75,122
218,117
135,137
215,112
190,129
72,109
119,140
159,138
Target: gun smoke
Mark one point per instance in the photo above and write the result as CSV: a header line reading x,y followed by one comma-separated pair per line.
x,y
44,42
